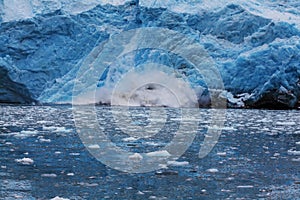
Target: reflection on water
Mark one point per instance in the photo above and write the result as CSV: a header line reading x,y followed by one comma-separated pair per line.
x,y
42,157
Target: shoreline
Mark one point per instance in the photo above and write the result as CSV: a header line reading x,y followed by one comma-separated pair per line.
x,y
108,105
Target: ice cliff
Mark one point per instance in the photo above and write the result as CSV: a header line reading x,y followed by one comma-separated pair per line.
x,y
254,44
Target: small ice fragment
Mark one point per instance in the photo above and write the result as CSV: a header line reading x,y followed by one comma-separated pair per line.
x,y
163,166
295,153
129,139
163,153
59,198
223,190
296,159
215,127
63,129
74,154
176,163
153,143
70,174
49,128
136,157
29,132
140,193
94,146
276,154
25,161
57,152
42,122
221,154
213,170
245,186
49,175
44,140
286,123
298,143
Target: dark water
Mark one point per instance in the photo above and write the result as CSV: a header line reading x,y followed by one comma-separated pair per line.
x,y
256,157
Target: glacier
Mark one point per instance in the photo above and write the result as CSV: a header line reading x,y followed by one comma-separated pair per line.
x,y
254,44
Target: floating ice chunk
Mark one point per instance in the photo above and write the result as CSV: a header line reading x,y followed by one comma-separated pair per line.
x,y
63,129
59,198
276,154
264,120
286,123
213,170
163,153
222,128
70,174
176,163
24,134
94,146
136,157
129,139
245,186
298,143
25,161
49,175
163,166
140,193
42,122
28,132
74,154
49,128
293,152
42,139
56,129
296,159
88,184
154,144
203,190
223,190
221,154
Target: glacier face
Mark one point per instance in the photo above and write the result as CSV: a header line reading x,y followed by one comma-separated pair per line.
x,y
257,52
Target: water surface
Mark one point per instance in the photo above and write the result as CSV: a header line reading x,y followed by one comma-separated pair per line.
x,y
42,157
